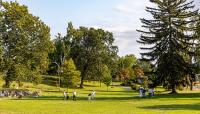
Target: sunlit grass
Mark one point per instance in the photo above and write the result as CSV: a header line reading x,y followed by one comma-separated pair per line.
x,y
118,100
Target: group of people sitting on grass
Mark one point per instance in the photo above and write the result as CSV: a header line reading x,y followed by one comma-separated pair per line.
x,y
142,92
18,93
91,96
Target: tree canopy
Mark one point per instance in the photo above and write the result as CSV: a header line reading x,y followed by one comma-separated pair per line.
x,y
90,48
25,39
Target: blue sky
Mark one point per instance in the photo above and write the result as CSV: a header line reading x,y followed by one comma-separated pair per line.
x,y
118,16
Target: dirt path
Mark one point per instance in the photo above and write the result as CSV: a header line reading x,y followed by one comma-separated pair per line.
x,y
126,88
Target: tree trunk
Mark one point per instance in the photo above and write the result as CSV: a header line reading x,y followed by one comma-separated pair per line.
x,y
83,76
191,85
174,89
107,88
7,84
100,83
82,80
191,75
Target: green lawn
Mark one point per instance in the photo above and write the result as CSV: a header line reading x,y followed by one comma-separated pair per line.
x,y
117,101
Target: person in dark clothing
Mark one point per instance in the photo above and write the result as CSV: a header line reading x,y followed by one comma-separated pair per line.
x,y
74,96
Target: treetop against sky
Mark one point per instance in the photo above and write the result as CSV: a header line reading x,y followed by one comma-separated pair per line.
x,y
118,16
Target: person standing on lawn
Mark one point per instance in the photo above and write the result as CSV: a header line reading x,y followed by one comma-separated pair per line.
x,y
93,95
74,95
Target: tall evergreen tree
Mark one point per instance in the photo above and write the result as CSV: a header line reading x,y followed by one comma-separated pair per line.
x,y
169,38
196,64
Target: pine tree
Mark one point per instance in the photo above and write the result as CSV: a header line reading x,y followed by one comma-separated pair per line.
x,y
169,37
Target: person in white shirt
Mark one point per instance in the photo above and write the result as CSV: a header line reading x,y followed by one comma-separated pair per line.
x,y
93,95
66,95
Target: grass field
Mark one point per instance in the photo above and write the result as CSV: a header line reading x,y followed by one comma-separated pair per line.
x,y
118,100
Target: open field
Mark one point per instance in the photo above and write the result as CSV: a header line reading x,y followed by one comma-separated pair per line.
x,y
118,100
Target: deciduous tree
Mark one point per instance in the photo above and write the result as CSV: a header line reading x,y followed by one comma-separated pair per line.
x,y
25,39
89,48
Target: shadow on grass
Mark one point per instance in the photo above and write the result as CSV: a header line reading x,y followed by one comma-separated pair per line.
x,y
167,97
179,95
174,107
87,85
117,94
114,91
52,91
126,97
78,98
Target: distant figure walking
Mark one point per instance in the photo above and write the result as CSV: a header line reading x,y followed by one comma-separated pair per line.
x,y
66,95
151,92
141,91
74,96
144,93
93,95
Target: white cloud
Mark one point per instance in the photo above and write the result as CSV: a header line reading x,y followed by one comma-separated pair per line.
x,y
126,22
129,12
133,7
127,42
